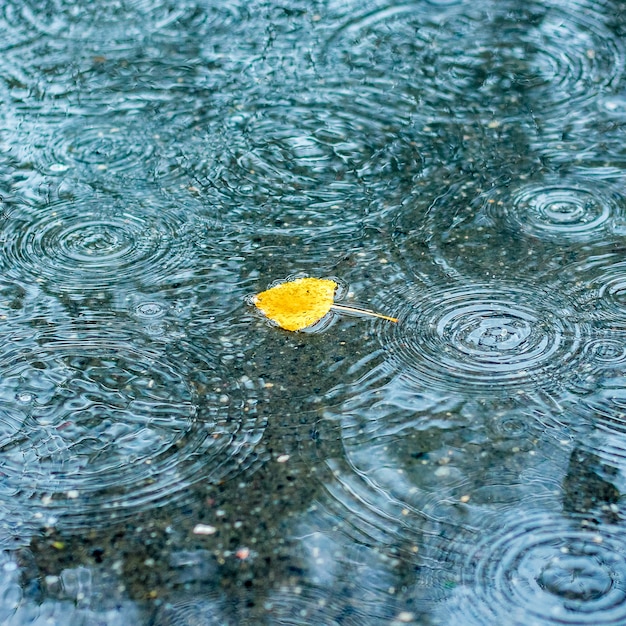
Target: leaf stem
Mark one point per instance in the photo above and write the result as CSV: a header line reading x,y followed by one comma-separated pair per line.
x,y
356,311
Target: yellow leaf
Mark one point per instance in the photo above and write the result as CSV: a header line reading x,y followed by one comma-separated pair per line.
x,y
300,303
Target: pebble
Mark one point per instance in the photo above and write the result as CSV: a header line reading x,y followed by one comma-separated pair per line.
x,y
204,529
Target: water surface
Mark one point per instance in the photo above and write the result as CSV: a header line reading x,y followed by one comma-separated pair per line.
x,y
168,457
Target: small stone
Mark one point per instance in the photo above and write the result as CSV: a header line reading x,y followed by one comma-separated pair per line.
x,y
283,458
243,553
204,529
59,167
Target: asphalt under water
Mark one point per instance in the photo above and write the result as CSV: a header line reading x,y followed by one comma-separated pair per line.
x,y
168,457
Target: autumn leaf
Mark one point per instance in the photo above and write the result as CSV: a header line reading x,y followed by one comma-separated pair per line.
x,y
300,303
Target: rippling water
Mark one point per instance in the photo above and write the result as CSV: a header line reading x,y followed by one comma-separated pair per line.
x,y
169,457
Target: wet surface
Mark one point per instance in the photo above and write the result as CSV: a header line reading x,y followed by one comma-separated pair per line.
x,y
168,457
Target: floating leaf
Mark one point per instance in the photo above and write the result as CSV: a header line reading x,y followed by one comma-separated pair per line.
x,y
300,303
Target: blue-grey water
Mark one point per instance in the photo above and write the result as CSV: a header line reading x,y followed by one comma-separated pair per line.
x,y
170,458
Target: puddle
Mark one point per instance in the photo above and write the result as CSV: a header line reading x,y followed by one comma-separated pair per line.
x,y
169,457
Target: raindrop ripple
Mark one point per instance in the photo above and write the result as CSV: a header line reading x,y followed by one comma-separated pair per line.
x,y
599,284
100,424
88,22
541,569
453,57
116,145
310,162
96,243
483,337
561,212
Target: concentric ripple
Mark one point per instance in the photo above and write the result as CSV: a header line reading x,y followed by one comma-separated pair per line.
x,y
89,147
313,162
478,228
95,243
604,360
483,337
192,611
96,424
86,82
599,285
561,212
413,45
576,53
542,568
422,453
611,288
608,351
104,22
512,227
603,406
455,58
